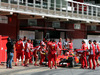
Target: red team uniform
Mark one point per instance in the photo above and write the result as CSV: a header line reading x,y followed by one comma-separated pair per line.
x,y
84,57
53,51
60,47
42,50
97,52
19,50
27,50
49,55
31,53
71,46
35,49
92,56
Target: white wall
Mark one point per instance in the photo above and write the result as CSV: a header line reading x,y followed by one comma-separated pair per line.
x,y
77,43
28,34
94,37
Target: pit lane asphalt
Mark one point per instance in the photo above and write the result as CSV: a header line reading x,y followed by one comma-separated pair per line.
x,y
67,71
31,70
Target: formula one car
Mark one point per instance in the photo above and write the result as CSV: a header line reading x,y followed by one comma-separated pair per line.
x,y
67,58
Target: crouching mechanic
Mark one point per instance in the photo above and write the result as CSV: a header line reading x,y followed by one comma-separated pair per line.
x,y
35,50
43,53
53,54
97,50
19,51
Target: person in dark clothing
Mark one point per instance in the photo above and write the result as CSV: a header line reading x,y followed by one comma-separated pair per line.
x,y
10,53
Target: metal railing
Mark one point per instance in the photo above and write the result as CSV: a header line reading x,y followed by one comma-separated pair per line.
x,y
61,8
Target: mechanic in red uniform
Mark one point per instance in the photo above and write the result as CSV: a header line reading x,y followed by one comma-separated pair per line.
x,y
43,42
24,42
31,53
35,50
60,46
92,55
97,50
42,53
48,49
83,56
53,54
19,51
27,52
70,44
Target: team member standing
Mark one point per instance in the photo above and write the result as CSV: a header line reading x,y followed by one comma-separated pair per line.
x,y
65,44
70,44
53,54
60,45
10,51
48,49
83,56
19,51
31,53
97,50
92,55
24,43
24,40
27,52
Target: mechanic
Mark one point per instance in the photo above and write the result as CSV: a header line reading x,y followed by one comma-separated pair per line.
x,y
92,55
48,49
19,51
24,41
65,44
43,53
53,54
27,52
42,42
35,50
70,44
84,55
60,46
31,53
97,50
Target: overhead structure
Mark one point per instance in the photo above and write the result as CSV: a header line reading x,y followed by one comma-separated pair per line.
x,y
64,9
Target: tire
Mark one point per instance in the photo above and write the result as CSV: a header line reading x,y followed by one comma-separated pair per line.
x,y
72,63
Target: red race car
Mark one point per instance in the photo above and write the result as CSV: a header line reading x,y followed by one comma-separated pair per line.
x,y
67,58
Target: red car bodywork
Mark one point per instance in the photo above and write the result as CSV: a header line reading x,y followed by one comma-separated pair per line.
x,y
67,55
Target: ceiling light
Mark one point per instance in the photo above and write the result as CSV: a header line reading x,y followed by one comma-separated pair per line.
x,y
67,19
42,16
11,13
